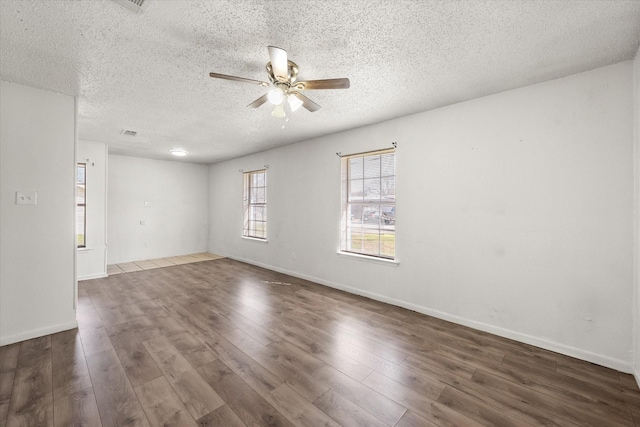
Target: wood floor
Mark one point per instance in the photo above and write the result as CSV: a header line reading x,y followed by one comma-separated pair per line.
x,y
222,343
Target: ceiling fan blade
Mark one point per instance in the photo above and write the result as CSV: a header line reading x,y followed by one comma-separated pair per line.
x,y
306,102
279,63
258,102
323,84
238,79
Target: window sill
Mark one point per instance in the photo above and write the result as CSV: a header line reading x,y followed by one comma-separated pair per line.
x,y
375,260
84,249
255,239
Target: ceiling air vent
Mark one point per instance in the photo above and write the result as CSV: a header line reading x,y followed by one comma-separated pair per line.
x,y
134,5
128,132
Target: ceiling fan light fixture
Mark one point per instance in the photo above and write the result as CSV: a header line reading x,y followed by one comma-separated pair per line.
x,y
278,111
294,102
276,96
283,75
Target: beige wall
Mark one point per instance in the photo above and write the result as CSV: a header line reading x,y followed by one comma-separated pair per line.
x,y
514,214
636,299
37,248
169,197
92,260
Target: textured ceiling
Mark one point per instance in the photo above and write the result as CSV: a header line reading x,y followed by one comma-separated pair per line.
x,y
149,71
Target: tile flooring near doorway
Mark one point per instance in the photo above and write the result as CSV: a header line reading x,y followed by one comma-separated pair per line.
x,y
150,264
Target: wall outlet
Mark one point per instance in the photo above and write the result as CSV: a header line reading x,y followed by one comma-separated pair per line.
x,y
26,197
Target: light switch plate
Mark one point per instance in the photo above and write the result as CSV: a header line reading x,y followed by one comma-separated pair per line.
x,y
26,197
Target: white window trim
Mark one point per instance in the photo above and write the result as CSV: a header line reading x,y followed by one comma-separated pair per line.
x,y
370,258
256,239
84,205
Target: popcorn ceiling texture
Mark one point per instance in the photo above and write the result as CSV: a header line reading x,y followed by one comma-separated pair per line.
x,y
149,71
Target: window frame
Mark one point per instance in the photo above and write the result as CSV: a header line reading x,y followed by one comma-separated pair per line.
x,y
82,205
255,205
381,209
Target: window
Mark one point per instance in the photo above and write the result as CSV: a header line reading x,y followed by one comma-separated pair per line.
x,y
255,204
369,204
81,205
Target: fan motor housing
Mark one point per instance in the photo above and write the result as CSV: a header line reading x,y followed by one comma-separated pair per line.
x,y
292,71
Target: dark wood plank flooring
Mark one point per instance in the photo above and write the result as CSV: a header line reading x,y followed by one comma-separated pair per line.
x,y
222,343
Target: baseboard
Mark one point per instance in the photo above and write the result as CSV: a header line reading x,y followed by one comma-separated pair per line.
x,y
636,374
598,359
609,362
36,333
93,276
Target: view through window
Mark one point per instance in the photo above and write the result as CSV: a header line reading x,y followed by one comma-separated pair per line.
x,y
255,204
369,204
81,205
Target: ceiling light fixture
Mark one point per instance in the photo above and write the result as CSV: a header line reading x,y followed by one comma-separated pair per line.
x,y
276,96
278,110
294,102
179,152
283,75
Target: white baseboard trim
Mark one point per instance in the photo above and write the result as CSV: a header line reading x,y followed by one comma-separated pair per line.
x,y
36,333
636,374
93,276
609,362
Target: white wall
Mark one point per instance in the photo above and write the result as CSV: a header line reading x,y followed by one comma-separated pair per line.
x,y
37,248
636,259
92,260
514,214
176,218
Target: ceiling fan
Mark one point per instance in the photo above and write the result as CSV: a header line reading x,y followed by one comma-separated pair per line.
x,y
286,90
